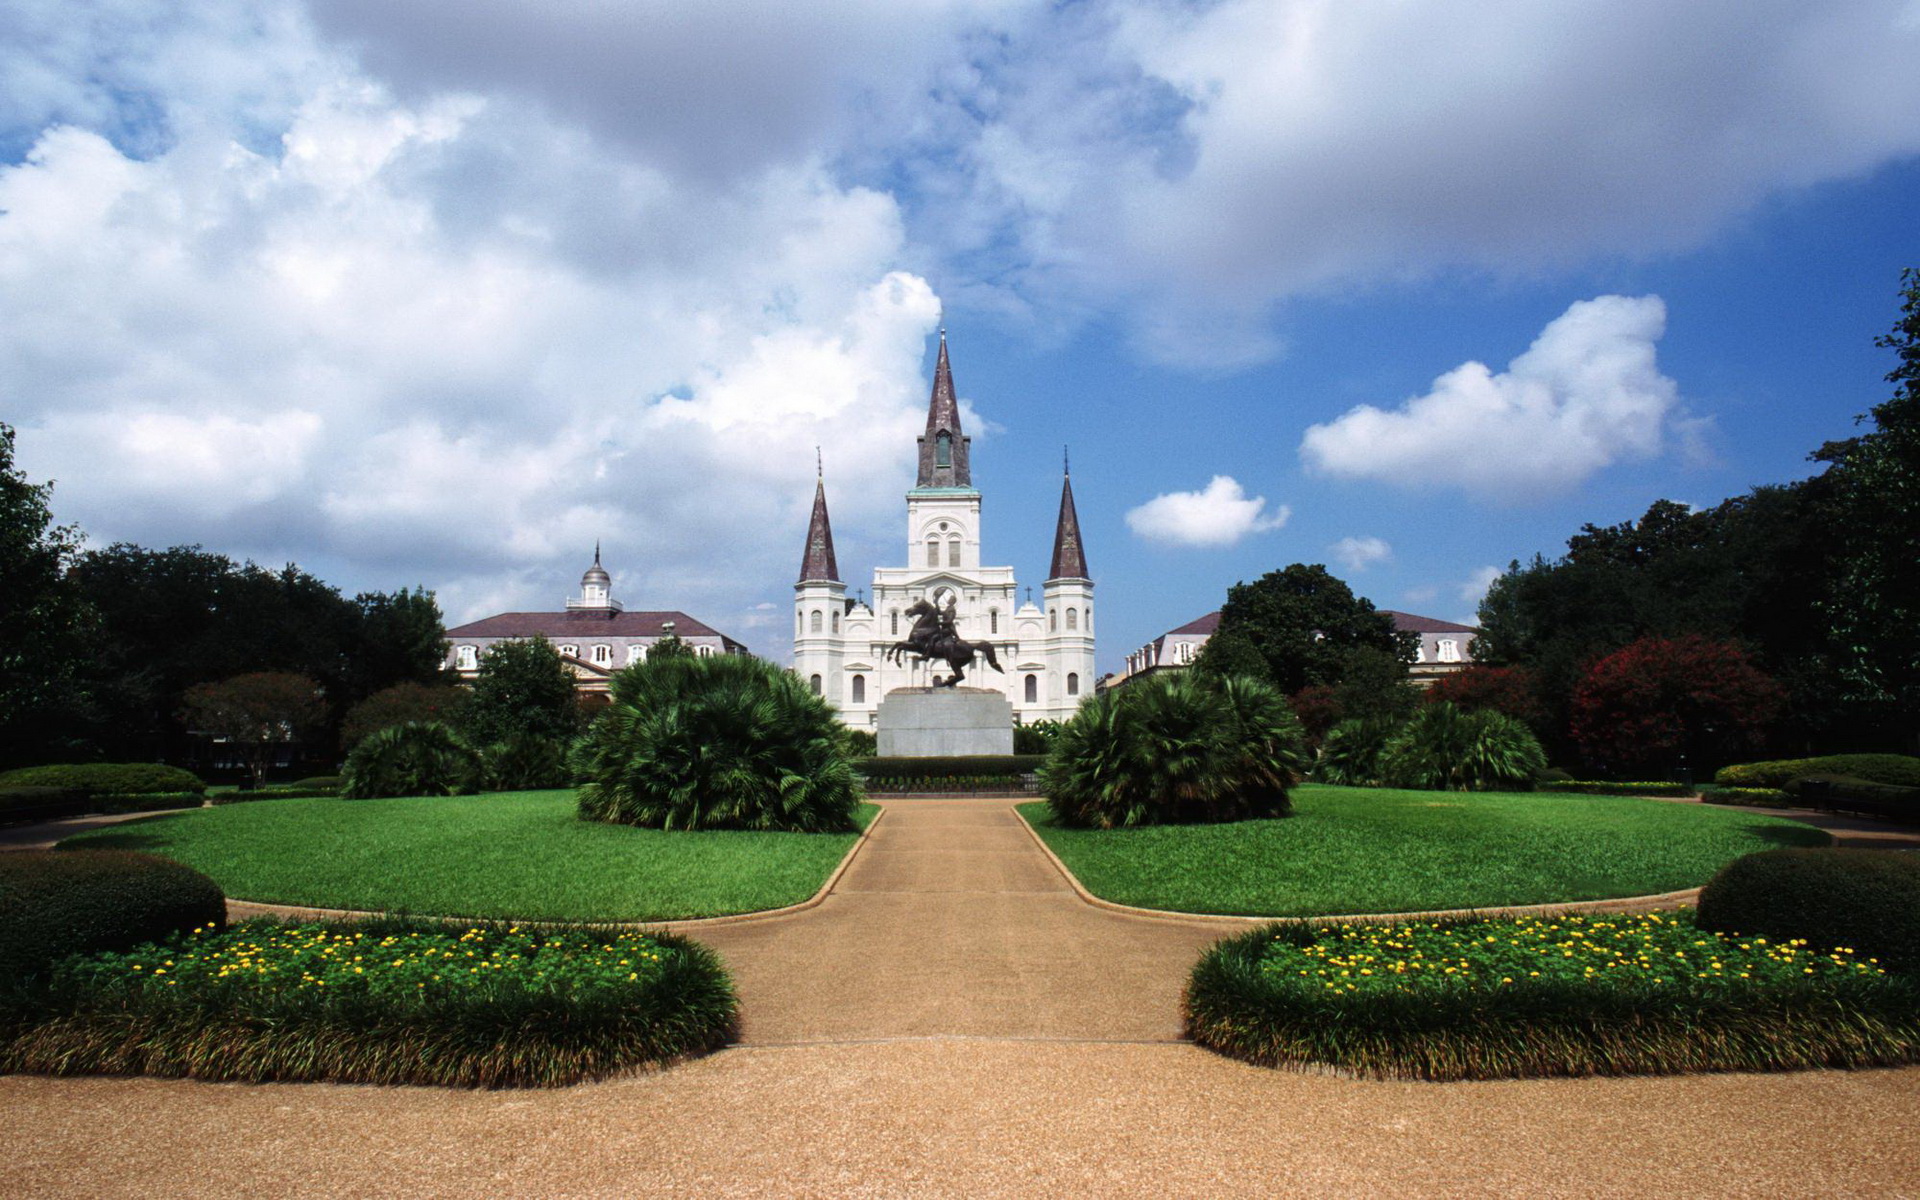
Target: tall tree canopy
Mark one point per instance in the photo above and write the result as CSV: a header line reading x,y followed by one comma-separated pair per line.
x,y
42,616
1299,627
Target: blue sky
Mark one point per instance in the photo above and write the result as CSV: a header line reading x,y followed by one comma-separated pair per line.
x,y
441,293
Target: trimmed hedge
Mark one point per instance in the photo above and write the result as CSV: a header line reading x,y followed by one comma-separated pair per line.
x,y
960,766
33,802
1599,787
908,785
1762,797
107,779
1846,793
319,783
1897,769
1866,900
54,903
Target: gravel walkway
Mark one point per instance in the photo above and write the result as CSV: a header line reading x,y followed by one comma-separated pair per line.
x,y
954,1020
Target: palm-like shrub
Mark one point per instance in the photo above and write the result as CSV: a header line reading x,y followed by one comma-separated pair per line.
x,y
419,758
1350,753
524,761
1180,749
728,742
1442,747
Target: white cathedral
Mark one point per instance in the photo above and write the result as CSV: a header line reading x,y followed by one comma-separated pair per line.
x,y
840,646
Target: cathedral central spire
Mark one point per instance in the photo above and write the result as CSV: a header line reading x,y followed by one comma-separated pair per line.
x,y
943,448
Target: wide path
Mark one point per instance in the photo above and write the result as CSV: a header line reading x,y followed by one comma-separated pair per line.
x,y
951,921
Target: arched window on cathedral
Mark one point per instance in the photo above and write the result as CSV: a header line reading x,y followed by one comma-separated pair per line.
x,y
943,449
933,552
1073,683
1053,620
1073,618
814,683
893,615
799,622
813,622
859,689
1033,689
953,552
993,620
836,622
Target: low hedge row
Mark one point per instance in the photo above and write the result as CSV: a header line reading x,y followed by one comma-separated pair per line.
x,y
1845,793
289,792
954,766
107,779
1897,769
1601,787
1866,900
37,803
54,903
915,784
1761,797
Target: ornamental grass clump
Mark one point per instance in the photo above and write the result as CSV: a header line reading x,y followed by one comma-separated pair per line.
x,y
1443,747
418,758
389,1002
1174,750
728,742
1544,996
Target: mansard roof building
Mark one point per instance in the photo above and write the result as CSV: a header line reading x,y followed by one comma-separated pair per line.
x,y
840,646
1444,648
595,634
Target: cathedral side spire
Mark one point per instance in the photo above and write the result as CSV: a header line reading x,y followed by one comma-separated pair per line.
x,y
944,448
1069,556
819,563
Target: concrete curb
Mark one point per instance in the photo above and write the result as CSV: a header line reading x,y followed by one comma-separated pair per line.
x,y
241,910
1622,904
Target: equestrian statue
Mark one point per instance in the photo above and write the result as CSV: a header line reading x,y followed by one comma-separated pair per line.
x,y
935,635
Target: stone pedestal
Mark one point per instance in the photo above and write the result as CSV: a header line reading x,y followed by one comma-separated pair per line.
x,y
926,722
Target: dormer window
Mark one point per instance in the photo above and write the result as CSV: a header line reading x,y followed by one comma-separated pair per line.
x,y
1449,650
603,656
466,658
636,653
570,652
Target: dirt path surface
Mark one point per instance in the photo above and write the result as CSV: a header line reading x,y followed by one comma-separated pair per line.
x,y
953,1020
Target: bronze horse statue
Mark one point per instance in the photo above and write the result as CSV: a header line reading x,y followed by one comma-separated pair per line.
x,y
933,636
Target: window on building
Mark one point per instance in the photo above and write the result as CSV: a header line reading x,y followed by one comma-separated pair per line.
x,y
1073,618
953,552
1420,653
814,683
1073,683
943,449
1033,689
466,658
933,552
703,651
894,616
813,622
1449,650
636,653
570,651
1053,620
859,689
993,620
603,656
836,622
799,622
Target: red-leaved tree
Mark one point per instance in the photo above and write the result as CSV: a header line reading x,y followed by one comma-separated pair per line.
x,y
1662,704
257,712
1510,690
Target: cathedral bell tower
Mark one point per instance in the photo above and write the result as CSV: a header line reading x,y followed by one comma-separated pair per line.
x,y
1067,596
943,509
819,603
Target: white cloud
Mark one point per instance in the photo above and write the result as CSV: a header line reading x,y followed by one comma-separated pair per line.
x,y
1473,589
1219,515
1585,395
1356,554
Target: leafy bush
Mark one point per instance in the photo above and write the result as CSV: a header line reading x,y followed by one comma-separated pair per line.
x,y
1442,748
729,742
380,1003
1350,753
106,779
1175,749
1644,708
317,783
1514,691
1600,787
59,902
861,743
524,762
1867,900
522,686
424,758
1765,797
30,802
1897,769
1035,737
1544,996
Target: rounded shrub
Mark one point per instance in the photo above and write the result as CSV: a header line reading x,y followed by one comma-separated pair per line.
x,y
729,742
54,903
523,762
1442,747
420,758
1350,753
107,779
1176,749
1866,900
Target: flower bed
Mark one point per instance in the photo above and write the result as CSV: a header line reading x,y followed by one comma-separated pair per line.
x,y
390,1002
1510,998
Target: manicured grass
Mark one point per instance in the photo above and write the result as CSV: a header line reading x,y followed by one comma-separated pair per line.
x,y
390,1001
517,855
1518,998
1374,850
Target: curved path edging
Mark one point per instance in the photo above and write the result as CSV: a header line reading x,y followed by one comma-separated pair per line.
x,y
1621,904
240,910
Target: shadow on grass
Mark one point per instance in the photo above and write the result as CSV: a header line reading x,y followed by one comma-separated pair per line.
x,y
1788,835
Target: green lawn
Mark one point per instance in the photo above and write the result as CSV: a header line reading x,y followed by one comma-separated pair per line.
x,y
512,854
1365,850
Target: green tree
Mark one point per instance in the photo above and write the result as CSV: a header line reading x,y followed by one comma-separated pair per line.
x,y
259,711
401,704
669,646
401,639
522,687
1301,626
43,618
